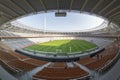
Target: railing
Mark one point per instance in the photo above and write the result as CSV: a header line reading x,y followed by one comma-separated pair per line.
x,y
56,58
60,53
107,67
8,68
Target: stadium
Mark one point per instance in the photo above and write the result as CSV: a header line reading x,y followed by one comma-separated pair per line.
x,y
28,53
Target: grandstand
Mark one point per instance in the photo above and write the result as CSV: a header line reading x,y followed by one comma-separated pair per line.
x,y
16,63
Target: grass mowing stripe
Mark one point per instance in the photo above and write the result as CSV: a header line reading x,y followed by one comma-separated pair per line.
x,y
75,49
64,45
81,47
85,45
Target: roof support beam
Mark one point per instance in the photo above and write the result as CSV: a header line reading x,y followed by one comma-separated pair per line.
x,y
71,3
107,6
116,17
26,1
112,10
4,17
5,14
84,4
43,5
17,6
117,13
7,8
7,27
58,5
97,4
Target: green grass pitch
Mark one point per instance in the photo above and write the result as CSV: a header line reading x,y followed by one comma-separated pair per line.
x,y
63,46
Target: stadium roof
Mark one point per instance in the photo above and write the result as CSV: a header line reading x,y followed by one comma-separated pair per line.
x,y
12,9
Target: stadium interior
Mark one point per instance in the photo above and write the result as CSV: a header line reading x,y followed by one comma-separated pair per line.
x,y
18,63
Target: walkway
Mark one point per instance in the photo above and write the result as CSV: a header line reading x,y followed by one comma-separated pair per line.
x,y
28,75
83,67
113,74
94,75
4,75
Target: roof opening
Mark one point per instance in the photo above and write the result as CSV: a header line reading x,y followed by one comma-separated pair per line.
x,y
73,22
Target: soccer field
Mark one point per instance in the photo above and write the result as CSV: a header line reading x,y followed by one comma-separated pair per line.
x,y
63,46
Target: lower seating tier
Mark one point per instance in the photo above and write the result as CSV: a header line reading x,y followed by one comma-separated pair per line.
x,y
21,65
60,73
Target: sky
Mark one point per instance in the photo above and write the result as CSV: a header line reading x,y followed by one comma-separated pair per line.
x,y
72,22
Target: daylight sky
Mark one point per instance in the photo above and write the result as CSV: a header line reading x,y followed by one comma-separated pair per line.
x,y
72,22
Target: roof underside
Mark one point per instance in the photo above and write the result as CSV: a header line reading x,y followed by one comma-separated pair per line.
x,y
12,9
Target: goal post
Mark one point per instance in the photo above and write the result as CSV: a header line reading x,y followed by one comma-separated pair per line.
x,y
70,49
58,50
